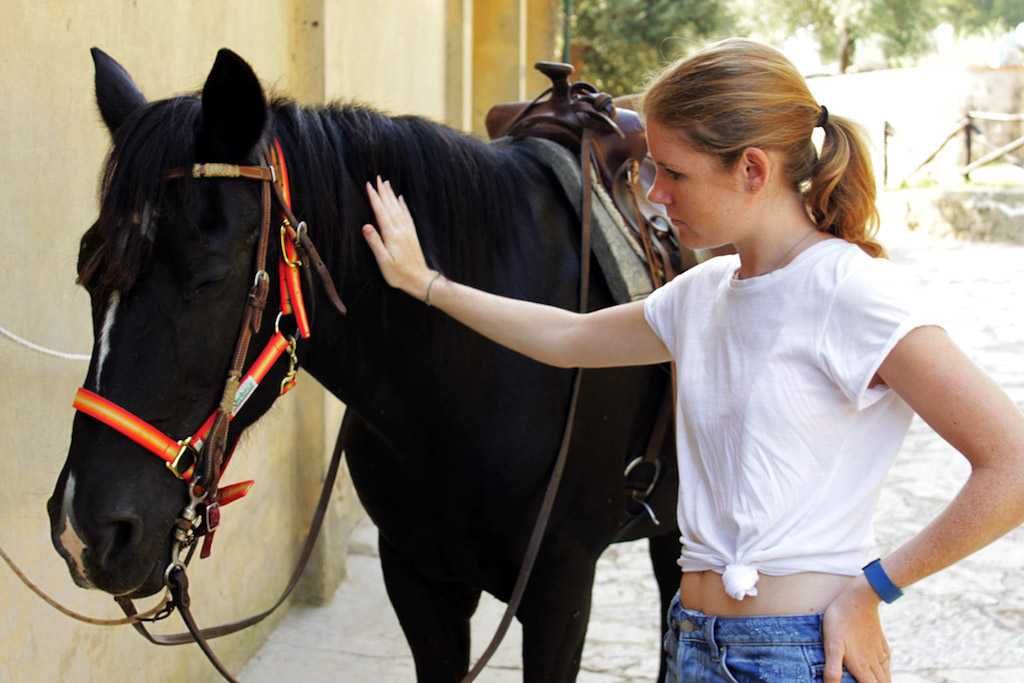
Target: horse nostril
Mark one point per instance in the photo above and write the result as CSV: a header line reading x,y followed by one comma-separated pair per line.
x,y
120,536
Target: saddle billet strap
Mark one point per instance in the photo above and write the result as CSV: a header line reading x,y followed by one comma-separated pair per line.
x,y
586,150
544,515
661,424
642,226
315,525
642,474
665,252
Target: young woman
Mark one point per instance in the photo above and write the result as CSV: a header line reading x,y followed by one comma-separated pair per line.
x,y
801,361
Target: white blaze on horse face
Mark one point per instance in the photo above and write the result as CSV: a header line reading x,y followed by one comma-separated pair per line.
x,y
69,538
108,323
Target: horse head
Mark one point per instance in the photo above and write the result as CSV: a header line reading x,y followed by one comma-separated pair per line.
x,y
168,265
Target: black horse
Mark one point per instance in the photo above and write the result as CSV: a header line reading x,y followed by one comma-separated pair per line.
x,y
451,438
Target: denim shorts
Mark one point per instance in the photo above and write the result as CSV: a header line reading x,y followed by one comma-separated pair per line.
x,y
708,649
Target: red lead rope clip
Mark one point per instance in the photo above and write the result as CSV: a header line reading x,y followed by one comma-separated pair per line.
x,y
211,515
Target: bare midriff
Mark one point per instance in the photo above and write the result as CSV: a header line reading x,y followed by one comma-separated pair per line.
x,y
805,593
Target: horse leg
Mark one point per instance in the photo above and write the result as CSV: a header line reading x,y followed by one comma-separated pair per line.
x,y
554,614
664,551
434,616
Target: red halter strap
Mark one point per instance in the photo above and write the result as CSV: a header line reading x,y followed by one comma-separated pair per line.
x,y
288,265
180,456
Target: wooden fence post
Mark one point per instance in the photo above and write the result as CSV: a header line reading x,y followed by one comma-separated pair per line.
x,y
887,132
968,134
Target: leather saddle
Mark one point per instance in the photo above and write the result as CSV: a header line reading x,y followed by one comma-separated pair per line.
x,y
561,114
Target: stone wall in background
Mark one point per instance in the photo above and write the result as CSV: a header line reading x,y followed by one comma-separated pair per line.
x,y
923,105
980,214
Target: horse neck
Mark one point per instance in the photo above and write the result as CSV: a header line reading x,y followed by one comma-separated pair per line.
x,y
388,338
463,193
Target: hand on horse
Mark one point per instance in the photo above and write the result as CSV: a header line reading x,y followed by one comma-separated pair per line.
x,y
853,635
395,246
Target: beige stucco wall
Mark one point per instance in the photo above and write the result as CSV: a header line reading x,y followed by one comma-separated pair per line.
x,y
509,36
390,53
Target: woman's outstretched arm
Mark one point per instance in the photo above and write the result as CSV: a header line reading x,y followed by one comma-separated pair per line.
x,y
610,337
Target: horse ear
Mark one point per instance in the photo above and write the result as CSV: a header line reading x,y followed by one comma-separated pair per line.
x,y
234,110
116,92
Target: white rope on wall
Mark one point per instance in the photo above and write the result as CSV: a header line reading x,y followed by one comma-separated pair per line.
x,y
42,349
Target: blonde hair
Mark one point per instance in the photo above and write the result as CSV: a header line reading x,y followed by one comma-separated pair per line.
x,y
739,93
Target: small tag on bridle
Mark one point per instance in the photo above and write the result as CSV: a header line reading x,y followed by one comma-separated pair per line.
x,y
212,515
243,393
211,520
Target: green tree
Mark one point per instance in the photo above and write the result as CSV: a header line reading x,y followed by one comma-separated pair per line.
x,y
839,25
903,26
978,15
619,44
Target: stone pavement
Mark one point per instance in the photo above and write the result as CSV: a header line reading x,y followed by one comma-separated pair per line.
x,y
964,625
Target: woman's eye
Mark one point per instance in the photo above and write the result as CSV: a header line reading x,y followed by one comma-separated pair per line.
x,y
673,175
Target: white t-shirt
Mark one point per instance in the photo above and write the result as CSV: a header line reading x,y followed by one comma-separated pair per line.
x,y
782,446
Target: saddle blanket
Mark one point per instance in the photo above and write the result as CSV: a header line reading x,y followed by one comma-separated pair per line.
x,y
618,253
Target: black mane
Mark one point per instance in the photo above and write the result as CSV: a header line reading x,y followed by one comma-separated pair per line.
x,y
152,140
455,185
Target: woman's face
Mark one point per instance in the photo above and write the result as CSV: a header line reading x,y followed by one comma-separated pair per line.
x,y
701,197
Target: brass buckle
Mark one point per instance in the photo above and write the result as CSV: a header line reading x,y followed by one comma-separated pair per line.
x,y
284,252
175,465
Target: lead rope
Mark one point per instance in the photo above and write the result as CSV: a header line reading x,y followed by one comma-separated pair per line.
x,y
540,526
148,615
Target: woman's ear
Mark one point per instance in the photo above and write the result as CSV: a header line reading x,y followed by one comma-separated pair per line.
x,y
755,167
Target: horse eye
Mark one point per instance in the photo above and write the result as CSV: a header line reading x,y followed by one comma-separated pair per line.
x,y
200,288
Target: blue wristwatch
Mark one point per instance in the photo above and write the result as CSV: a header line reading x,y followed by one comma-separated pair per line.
x,y
880,581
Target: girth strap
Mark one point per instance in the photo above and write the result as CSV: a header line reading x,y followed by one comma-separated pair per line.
x,y
643,474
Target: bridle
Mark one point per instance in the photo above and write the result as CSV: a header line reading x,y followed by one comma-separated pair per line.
x,y
199,460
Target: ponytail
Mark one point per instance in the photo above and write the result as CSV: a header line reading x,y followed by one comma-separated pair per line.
x,y
841,195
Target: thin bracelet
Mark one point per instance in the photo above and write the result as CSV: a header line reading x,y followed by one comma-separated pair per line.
x,y
426,299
